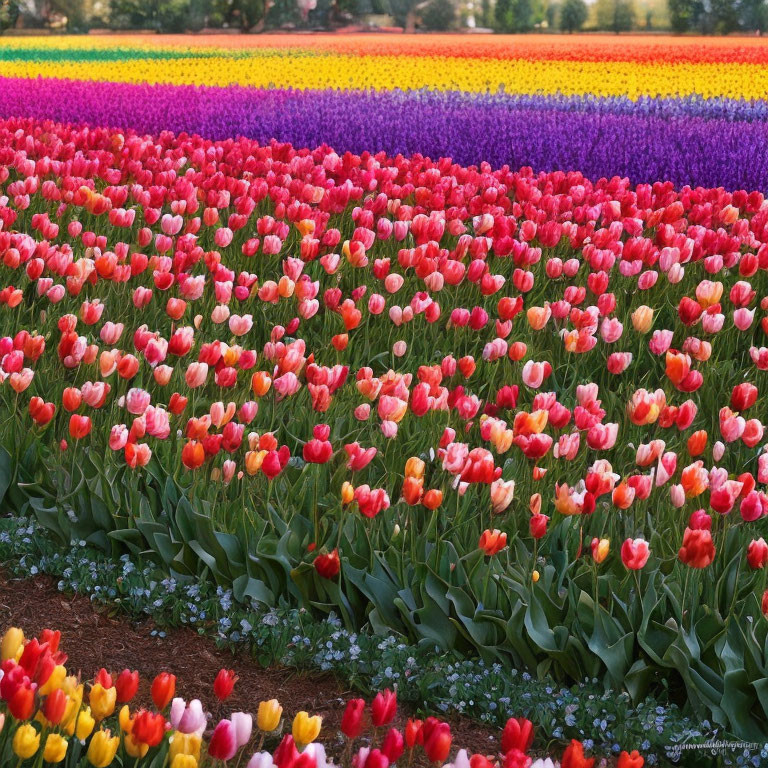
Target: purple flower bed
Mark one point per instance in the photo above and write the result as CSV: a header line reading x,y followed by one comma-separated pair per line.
x,y
688,141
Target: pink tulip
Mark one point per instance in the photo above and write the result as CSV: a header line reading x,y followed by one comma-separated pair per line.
x,y
240,325
742,318
196,374
136,401
223,743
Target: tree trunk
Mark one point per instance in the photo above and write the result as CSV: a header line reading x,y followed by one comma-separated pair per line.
x,y
262,23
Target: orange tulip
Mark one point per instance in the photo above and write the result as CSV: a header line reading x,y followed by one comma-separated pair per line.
x,y
492,542
678,366
347,493
260,383
414,467
697,442
340,341
433,498
413,487
193,454
623,496
694,479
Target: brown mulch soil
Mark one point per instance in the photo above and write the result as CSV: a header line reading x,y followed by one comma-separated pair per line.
x,y
92,638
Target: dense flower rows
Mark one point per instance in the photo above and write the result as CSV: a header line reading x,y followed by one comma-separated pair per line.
x,y
425,677
641,48
48,715
629,105
508,400
686,140
423,395
308,70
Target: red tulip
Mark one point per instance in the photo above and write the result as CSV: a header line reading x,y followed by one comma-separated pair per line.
x,y
54,706
79,426
193,454
743,396
148,727
437,742
573,757
127,684
383,708
414,733
40,411
21,703
163,689
698,550
352,719
635,553
328,566
757,553
538,525
224,683
514,758
517,734
393,745
633,760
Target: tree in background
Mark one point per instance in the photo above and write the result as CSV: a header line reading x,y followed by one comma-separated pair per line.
x,y
552,14
485,18
9,12
616,15
682,14
573,14
502,15
517,15
725,16
754,15
165,15
439,15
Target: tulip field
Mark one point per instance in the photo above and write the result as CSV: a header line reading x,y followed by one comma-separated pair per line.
x,y
460,340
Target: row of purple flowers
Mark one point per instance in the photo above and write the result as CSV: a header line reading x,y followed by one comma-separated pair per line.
x,y
688,141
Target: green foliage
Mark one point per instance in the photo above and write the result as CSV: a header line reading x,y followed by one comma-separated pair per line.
x,y
615,15
166,15
439,15
514,15
682,14
725,16
573,14
485,17
667,627
9,12
433,681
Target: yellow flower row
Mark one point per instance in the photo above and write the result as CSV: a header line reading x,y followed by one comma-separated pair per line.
x,y
615,78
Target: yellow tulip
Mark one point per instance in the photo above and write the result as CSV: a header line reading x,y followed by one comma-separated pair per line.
x,y
185,744
135,748
55,681
600,549
125,719
184,761
75,693
269,714
347,492
535,576
12,641
81,724
55,748
103,748
102,701
305,728
26,741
